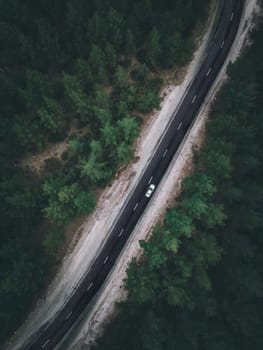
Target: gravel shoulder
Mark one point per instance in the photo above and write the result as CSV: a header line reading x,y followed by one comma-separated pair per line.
x,y
97,226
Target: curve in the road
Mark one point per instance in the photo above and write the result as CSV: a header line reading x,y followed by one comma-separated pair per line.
x,y
48,337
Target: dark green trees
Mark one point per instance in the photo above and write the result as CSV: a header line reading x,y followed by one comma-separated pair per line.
x,y
198,284
77,74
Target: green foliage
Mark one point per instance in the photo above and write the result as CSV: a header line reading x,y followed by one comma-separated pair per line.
x,y
28,135
148,101
128,129
130,45
198,284
37,86
65,200
19,200
22,272
140,73
49,114
76,72
53,240
115,28
152,49
110,56
76,146
121,78
96,62
94,168
76,96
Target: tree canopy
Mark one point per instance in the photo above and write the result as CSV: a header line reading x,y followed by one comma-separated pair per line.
x,y
81,73
198,284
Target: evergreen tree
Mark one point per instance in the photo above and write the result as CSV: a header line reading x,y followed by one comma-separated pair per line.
x,y
153,49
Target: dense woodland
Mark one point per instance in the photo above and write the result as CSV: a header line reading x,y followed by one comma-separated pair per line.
x,y
73,65
199,283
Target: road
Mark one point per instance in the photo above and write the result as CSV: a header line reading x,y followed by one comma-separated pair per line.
x,y
48,337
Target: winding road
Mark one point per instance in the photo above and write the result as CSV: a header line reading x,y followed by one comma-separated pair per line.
x,y
49,336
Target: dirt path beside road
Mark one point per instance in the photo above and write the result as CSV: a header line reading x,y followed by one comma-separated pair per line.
x,y
96,227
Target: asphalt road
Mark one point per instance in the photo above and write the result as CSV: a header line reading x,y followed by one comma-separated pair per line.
x,y
47,338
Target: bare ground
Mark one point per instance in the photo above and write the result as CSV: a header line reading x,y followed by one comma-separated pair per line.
x,y
35,162
96,227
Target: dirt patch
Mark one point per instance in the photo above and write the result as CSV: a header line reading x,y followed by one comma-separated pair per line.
x,y
104,308
96,229
38,162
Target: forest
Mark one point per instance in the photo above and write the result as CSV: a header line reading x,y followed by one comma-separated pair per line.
x,y
199,283
86,73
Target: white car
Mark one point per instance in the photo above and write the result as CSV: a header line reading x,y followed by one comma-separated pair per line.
x,y
150,190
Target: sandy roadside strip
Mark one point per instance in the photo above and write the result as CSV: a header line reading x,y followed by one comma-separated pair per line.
x,y
96,228
93,323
